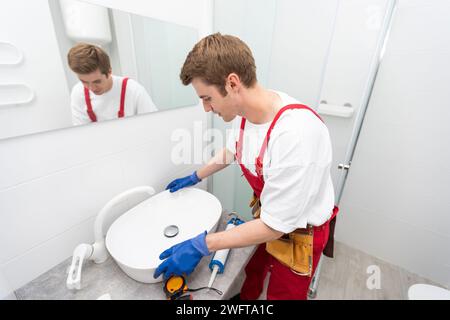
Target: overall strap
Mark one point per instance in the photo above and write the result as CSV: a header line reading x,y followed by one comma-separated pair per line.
x,y
89,110
121,112
278,115
259,159
240,141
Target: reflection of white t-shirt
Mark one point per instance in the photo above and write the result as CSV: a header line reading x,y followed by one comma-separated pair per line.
x,y
107,105
298,189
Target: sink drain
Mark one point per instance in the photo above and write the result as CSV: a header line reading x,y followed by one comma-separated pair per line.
x,y
171,231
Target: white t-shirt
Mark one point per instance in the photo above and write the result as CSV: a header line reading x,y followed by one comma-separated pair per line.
x,y
107,105
298,189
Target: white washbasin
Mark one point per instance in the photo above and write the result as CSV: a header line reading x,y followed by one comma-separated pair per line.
x,y
136,239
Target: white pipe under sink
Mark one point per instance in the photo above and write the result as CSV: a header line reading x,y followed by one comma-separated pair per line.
x,y
97,251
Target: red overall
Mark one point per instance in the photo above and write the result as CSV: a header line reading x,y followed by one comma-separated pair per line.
x,y
283,284
121,112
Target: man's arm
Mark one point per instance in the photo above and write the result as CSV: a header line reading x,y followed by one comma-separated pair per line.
x,y
246,234
220,161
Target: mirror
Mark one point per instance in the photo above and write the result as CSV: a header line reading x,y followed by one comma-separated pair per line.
x,y
149,52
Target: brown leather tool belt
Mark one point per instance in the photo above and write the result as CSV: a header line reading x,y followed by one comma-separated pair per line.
x,y
294,250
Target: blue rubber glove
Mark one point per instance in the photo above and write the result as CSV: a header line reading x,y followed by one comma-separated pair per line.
x,y
180,183
182,258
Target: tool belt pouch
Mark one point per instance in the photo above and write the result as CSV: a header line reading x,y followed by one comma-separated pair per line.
x,y
255,204
294,250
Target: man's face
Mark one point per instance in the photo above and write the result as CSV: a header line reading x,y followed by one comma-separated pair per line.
x,y
96,81
214,101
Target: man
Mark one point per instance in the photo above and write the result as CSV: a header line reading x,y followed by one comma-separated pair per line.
x,y
284,151
100,95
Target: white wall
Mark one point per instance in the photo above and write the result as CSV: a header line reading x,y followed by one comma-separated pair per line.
x,y
54,183
352,52
395,205
6,292
41,65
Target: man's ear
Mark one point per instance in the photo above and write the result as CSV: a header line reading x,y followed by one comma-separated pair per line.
x,y
233,81
109,73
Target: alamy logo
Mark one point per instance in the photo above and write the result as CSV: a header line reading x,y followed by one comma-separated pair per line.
x,y
199,145
374,280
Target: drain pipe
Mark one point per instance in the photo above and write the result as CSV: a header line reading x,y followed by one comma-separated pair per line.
x,y
97,251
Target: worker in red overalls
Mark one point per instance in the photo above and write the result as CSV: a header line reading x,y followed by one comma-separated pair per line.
x,y
100,95
284,151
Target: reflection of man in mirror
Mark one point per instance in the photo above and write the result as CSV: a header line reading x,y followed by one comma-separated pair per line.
x,y
101,95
